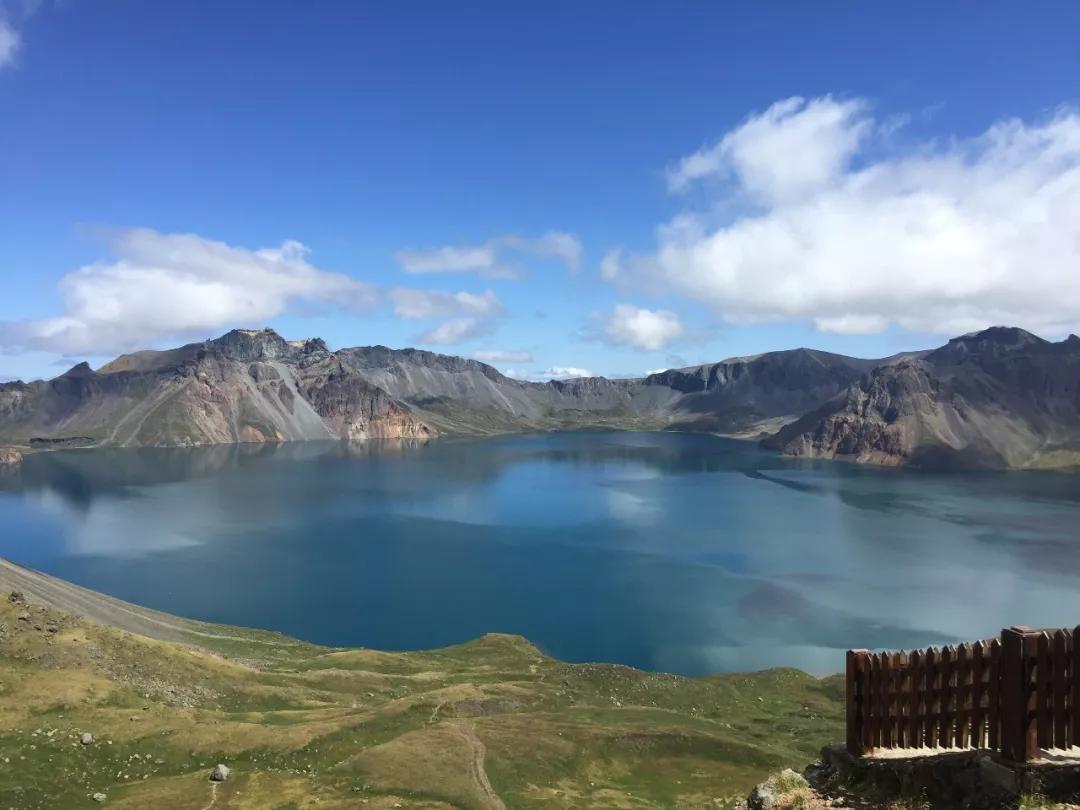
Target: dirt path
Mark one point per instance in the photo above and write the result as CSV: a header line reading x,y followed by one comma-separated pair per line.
x,y
213,796
490,798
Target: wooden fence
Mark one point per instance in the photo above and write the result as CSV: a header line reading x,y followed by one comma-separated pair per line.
x,y
1018,695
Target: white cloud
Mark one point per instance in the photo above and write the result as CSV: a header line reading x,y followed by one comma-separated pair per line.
x,y
639,328
489,259
474,313
944,237
422,304
481,259
551,373
565,247
609,265
564,373
455,330
9,44
179,285
503,356
792,149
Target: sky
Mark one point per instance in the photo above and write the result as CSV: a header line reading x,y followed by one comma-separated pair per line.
x,y
557,188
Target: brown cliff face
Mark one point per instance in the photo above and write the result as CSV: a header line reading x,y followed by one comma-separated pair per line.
x,y
352,408
881,420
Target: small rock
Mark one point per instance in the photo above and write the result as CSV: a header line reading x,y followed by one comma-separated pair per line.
x,y
219,774
86,738
99,797
16,596
24,616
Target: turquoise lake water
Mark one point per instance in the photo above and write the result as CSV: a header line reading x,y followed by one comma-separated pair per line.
x,y
675,552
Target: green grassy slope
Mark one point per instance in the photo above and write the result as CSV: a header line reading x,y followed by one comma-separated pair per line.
x,y
488,724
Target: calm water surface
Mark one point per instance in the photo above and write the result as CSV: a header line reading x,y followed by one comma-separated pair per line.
x,y
673,552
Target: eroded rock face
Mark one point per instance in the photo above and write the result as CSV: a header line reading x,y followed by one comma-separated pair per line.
x,y
998,398
352,408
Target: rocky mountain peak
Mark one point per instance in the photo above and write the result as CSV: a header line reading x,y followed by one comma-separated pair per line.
x,y
79,370
252,344
992,341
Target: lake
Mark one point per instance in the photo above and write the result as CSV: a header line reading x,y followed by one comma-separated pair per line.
x,y
676,552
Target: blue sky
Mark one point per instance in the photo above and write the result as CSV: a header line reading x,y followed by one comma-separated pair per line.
x,y
612,187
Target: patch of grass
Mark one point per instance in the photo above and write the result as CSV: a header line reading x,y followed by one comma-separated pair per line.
x,y
469,726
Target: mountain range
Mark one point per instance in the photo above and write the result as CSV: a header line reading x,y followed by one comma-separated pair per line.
x,y
997,398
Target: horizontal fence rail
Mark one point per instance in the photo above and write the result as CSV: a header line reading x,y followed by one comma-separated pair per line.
x,y
1018,695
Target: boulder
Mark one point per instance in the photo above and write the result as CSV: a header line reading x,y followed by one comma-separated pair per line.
x,y
86,738
99,797
219,774
10,457
765,795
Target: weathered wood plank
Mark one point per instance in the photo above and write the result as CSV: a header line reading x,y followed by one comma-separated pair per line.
x,y
945,716
1059,688
915,700
963,696
977,724
854,701
867,702
930,669
1075,707
1044,720
993,697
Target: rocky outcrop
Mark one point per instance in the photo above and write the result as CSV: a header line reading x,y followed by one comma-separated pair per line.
x,y
998,398
10,457
352,408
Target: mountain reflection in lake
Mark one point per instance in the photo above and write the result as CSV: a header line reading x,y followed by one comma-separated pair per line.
x,y
666,551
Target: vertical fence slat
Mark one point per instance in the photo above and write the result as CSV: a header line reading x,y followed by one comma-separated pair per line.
x,y
875,714
946,716
1043,681
963,696
1060,665
886,700
1075,686
993,702
914,733
856,704
900,701
930,726
978,692
867,692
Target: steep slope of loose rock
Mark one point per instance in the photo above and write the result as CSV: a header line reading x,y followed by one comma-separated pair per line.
x,y
997,398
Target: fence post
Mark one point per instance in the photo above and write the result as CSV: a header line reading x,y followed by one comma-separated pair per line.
x,y
857,701
1019,731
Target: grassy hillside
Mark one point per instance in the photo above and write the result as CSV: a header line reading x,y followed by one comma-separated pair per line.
x,y
489,724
